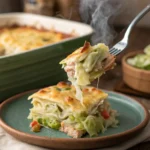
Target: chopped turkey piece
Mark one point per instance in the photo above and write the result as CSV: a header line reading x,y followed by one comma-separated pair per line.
x,y
71,131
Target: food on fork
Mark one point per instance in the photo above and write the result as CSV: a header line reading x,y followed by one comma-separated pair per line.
x,y
58,108
86,64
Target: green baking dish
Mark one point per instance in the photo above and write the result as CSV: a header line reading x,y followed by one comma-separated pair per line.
x,y
39,67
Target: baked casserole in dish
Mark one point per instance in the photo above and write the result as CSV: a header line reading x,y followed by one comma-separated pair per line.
x,y
16,39
32,48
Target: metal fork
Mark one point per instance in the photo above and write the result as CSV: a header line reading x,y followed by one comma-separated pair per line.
x,y
120,46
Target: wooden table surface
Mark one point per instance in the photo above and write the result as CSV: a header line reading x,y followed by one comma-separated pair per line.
x,y
139,38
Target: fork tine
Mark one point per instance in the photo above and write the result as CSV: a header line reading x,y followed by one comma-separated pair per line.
x,y
113,50
117,52
118,48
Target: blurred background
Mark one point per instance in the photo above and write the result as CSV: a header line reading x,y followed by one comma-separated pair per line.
x,y
69,9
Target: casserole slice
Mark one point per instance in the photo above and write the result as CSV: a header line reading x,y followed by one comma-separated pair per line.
x,y
56,107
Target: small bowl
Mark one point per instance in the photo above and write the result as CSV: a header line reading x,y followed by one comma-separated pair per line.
x,y
135,78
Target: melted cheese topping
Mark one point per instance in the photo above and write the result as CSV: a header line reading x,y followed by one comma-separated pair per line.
x,y
63,95
19,39
78,55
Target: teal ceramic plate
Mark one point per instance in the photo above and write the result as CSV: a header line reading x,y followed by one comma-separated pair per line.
x,y
14,111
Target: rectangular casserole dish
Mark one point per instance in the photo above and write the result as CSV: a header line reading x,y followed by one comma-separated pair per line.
x,y
38,67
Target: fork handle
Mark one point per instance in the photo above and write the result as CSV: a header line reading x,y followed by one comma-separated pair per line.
x,y
135,20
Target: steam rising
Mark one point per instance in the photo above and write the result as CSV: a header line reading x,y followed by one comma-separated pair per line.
x,y
100,15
